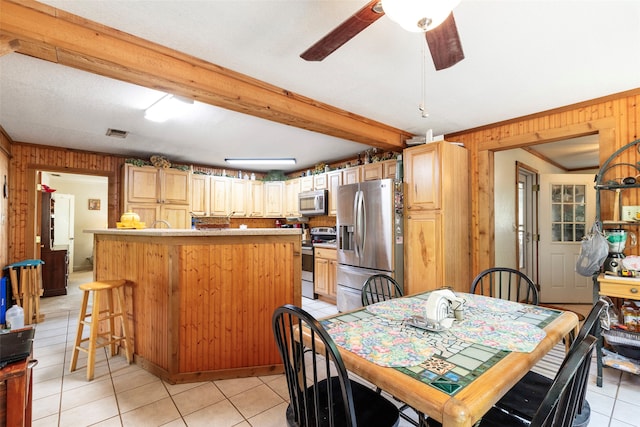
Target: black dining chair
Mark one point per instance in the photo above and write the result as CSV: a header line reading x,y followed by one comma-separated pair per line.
x,y
320,391
525,397
380,287
560,404
506,283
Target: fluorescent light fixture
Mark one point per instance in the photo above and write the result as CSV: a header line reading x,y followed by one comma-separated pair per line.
x,y
167,107
260,161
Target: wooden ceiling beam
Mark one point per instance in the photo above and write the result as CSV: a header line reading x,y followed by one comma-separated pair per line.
x,y
8,44
57,36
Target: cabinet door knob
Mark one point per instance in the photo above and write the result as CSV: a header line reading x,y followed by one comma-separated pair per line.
x,y
634,290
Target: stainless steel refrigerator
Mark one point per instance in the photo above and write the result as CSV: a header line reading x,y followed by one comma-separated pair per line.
x,y
369,237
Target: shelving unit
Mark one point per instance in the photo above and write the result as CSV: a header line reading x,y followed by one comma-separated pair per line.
x,y
56,262
602,285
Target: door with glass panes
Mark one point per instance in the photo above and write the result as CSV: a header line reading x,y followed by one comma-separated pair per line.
x,y
567,212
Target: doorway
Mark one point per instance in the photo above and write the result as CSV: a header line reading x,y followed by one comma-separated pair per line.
x,y
88,211
519,230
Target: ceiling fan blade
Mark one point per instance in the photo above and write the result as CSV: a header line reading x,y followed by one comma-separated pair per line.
x,y
444,44
344,32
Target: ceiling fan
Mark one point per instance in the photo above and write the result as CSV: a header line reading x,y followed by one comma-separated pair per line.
x,y
439,28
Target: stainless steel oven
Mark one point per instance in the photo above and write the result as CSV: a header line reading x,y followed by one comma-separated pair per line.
x,y
307,270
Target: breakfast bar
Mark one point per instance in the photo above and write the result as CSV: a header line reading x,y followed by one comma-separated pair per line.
x,y
199,302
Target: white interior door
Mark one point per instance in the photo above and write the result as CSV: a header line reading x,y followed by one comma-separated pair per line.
x,y
63,231
567,212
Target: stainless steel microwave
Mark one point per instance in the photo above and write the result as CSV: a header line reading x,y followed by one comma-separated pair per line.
x,y
313,203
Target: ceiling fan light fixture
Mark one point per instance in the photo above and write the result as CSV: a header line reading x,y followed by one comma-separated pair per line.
x,y
167,107
418,15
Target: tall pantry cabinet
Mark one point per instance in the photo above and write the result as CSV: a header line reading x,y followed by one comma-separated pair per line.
x,y
437,219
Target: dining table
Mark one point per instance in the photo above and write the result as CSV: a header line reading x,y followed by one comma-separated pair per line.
x,y
454,374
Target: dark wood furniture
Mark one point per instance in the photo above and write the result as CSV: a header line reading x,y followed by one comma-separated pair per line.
x,y
56,262
16,386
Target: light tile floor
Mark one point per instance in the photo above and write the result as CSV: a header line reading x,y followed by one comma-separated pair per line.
x,y
126,395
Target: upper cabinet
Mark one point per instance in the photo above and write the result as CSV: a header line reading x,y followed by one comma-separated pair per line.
x,y
422,177
334,180
147,184
351,175
200,194
219,196
372,171
306,183
238,197
255,198
273,199
320,181
292,189
158,195
379,170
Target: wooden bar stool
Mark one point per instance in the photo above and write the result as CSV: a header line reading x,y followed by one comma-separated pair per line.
x,y
101,289
26,286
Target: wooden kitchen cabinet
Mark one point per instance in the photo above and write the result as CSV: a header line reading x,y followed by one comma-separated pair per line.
x,y
238,197
147,184
219,196
351,175
200,194
306,183
292,189
423,172
437,220
389,168
325,272
379,170
372,171
255,198
273,199
320,181
158,194
334,180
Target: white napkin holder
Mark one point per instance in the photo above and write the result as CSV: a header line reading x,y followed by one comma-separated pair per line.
x,y
443,307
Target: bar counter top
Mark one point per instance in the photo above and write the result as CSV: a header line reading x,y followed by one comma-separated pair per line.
x,y
177,232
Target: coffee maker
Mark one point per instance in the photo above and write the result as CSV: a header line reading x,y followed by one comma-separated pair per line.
x,y
617,240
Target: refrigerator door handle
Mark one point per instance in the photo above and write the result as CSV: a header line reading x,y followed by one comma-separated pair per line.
x,y
360,223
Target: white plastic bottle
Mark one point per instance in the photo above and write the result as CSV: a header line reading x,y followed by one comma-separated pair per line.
x,y
15,317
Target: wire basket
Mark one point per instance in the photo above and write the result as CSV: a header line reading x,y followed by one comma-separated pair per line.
x,y
624,343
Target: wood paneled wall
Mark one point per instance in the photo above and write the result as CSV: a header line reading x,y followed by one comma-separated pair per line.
x,y
26,159
615,118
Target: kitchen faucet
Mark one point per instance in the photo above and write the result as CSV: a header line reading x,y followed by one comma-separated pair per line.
x,y
153,224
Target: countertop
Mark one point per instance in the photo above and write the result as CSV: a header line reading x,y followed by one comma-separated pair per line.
x,y
170,232
325,245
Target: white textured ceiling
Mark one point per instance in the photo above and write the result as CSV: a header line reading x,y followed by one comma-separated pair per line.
x,y
521,57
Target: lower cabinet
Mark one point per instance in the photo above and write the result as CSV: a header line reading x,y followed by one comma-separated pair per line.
x,y
54,272
325,270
